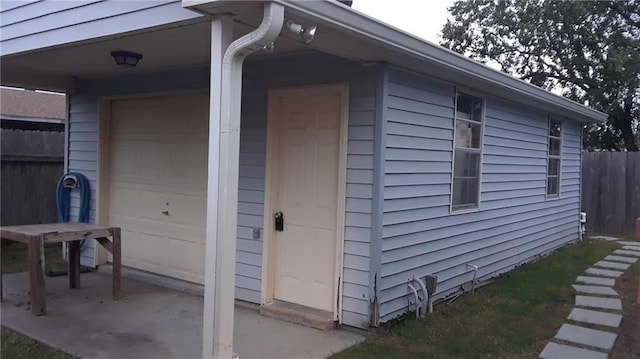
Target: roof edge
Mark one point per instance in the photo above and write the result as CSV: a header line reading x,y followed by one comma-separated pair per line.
x,y
351,20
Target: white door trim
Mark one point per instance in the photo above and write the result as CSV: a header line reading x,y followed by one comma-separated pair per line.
x,y
268,257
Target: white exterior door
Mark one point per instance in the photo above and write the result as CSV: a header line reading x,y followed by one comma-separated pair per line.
x,y
158,182
306,186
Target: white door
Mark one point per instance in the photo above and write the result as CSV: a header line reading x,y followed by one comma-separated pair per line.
x,y
158,182
306,185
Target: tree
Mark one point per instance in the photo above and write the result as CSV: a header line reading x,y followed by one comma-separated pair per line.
x,y
587,50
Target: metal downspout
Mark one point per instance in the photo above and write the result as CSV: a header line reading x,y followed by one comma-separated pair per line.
x,y
230,89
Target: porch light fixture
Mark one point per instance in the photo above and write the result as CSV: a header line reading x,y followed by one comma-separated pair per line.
x,y
126,58
306,32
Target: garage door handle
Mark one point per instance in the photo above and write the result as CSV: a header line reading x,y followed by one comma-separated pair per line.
x,y
279,221
166,213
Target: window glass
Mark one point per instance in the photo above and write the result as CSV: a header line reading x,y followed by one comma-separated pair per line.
x,y
552,185
468,134
555,128
466,164
554,158
554,166
467,151
469,107
554,146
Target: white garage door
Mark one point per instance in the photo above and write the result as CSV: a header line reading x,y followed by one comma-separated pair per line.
x,y
158,182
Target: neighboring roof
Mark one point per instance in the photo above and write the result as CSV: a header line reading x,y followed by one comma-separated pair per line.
x,y
361,37
18,104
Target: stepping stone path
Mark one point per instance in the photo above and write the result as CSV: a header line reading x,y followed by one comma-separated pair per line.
x,y
597,303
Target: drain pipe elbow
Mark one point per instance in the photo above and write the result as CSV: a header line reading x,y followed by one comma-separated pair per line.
x,y
475,274
415,293
427,299
269,29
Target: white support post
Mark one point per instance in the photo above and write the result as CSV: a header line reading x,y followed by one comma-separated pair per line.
x,y
224,158
214,337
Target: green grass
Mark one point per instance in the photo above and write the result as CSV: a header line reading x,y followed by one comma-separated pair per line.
x,y
14,258
511,318
16,346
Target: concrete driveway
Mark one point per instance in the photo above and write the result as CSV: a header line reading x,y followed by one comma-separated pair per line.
x,y
151,322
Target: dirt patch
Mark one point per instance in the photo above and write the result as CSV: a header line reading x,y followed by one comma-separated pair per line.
x,y
628,343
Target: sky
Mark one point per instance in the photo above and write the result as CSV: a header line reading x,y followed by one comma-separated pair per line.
x,y
423,18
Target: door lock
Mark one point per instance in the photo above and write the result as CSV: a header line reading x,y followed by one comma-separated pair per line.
x,y
279,221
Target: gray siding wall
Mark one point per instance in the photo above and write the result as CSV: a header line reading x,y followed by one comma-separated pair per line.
x,y
29,25
308,70
515,222
259,77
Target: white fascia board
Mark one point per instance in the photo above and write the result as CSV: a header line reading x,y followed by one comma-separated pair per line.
x,y
348,20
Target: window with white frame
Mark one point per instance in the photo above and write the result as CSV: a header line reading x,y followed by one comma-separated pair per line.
x,y
467,151
553,161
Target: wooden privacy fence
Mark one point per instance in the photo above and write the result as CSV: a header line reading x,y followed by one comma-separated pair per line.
x,y
611,191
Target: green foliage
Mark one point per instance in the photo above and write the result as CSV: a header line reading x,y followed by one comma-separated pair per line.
x,y
589,50
511,318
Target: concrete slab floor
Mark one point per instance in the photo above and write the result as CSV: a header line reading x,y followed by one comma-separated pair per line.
x,y
151,322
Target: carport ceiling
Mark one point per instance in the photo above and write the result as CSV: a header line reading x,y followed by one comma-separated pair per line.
x,y
181,45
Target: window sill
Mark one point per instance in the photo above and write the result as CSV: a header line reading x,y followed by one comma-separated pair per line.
x,y
463,210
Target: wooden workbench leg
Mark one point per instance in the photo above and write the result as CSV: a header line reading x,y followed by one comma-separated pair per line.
x,y
117,263
36,276
74,264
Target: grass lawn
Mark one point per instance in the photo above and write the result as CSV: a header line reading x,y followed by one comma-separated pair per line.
x,y
511,318
14,258
16,346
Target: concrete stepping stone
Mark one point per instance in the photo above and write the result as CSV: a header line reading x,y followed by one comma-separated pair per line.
x,y
606,238
598,302
559,351
585,336
604,272
613,258
594,289
623,252
629,243
612,265
596,280
631,248
595,317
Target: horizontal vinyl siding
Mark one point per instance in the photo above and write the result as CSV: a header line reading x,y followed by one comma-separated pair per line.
x,y
515,221
259,77
324,69
38,24
83,158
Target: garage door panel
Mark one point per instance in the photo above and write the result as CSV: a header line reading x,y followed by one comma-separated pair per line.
x,y
158,183
183,157
127,159
165,256
153,162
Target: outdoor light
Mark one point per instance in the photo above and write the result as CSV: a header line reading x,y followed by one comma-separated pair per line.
x,y
126,58
306,32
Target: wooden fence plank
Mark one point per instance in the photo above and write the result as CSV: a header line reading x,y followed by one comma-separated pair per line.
x,y
611,191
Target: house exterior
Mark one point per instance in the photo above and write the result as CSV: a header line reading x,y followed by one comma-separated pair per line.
x,y
385,157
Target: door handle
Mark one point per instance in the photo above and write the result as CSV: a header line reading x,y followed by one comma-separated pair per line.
x,y
279,221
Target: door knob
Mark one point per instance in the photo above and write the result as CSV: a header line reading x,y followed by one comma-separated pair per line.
x,y
279,221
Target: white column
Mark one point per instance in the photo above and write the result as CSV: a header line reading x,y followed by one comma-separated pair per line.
x,y
217,336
